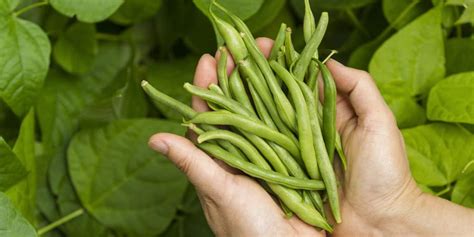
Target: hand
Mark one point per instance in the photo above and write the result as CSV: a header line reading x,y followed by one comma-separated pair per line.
x,y
234,204
379,195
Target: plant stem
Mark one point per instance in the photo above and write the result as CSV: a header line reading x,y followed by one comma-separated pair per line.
x,y
467,166
448,187
32,6
356,22
61,221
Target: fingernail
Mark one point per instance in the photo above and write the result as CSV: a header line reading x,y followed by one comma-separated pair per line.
x,y
159,146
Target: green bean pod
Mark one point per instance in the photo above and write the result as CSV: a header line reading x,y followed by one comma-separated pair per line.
x,y
308,23
325,165
246,124
238,91
290,52
222,71
308,52
305,135
231,37
249,150
279,41
260,173
329,110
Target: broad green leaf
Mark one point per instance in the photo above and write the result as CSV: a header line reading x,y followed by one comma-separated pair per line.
x,y
136,10
89,11
468,13
407,112
360,58
76,49
265,15
9,123
24,61
23,194
410,9
242,8
452,99
438,152
463,192
12,170
64,97
459,53
169,77
8,6
413,58
12,223
137,192
270,30
197,36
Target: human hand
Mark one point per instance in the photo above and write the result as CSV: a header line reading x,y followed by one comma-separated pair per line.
x,y
378,194
234,204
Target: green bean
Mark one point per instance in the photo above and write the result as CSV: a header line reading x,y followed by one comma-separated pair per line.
x,y
231,37
308,23
219,100
222,71
238,91
159,97
305,135
246,124
325,167
308,52
281,59
340,151
287,114
329,110
290,52
216,89
249,150
317,201
260,173
279,41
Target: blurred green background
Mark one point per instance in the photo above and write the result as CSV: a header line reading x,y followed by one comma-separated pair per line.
x,y
75,122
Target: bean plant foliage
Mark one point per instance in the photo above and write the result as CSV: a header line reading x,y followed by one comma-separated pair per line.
x,y
74,121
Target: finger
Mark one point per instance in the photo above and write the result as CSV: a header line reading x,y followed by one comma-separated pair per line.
x,y
361,90
205,75
265,45
201,170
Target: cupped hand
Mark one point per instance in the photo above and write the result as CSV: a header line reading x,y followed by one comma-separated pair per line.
x,y
234,204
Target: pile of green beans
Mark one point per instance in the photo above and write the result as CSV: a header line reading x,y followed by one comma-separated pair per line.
x,y
276,129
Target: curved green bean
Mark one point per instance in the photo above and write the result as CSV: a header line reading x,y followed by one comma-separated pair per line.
x,y
246,124
308,52
260,173
238,91
222,71
231,37
325,165
290,52
305,135
279,41
329,110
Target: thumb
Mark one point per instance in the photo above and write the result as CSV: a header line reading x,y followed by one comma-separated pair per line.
x,y
205,174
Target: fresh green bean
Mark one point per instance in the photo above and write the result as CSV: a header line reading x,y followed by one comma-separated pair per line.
x,y
249,150
279,41
329,110
246,124
222,71
308,23
231,37
325,167
308,52
340,151
305,135
216,89
281,59
287,113
317,201
238,91
290,52
260,173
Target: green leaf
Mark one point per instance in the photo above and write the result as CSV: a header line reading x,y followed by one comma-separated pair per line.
x,y
242,8
23,194
438,152
265,15
12,223
169,78
76,49
452,99
360,58
136,10
412,59
11,168
24,60
197,36
407,112
393,9
89,11
463,192
459,53
108,187
468,13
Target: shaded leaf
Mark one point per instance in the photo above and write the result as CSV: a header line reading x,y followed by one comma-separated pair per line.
x,y
452,99
407,112
136,10
242,8
468,14
393,9
108,188
463,192
459,53
89,11
11,168
265,15
12,223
